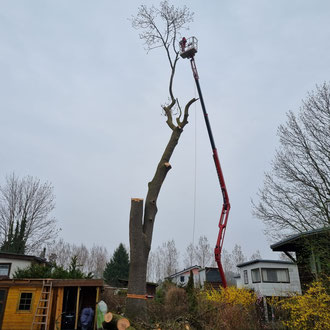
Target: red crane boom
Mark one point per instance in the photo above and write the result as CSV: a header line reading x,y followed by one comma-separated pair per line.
x,y
188,50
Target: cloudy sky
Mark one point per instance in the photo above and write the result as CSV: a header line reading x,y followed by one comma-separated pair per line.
x,y
80,104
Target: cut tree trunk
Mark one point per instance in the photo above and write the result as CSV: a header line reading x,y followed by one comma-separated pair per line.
x,y
108,317
142,223
115,321
140,233
135,308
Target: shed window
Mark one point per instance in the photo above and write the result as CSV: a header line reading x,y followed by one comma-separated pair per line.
x,y
4,270
246,279
255,274
25,301
274,275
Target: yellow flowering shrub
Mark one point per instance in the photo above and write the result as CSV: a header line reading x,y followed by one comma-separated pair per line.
x,y
308,311
228,309
232,295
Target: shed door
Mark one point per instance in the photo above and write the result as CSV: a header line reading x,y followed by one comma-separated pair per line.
x,y
3,297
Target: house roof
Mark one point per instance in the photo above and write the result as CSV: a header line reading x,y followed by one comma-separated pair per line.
x,y
251,262
184,271
292,242
9,255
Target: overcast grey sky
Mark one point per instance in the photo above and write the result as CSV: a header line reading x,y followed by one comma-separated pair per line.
x,y
80,107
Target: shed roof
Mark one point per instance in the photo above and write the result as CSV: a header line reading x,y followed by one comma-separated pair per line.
x,y
38,282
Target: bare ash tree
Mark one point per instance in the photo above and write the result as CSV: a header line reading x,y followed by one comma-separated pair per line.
x,y
296,193
25,220
160,28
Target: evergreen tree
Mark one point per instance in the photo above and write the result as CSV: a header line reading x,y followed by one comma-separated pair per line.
x,y
118,267
190,289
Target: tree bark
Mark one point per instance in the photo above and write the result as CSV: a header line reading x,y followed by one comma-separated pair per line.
x,y
141,229
138,258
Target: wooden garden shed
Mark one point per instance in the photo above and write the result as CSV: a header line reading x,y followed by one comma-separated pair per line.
x,y
58,302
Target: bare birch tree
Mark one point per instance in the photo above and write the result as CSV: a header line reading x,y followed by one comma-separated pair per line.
x,y
227,261
60,253
25,221
171,257
255,255
238,255
151,267
91,260
160,27
82,254
296,194
203,252
164,261
98,257
190,256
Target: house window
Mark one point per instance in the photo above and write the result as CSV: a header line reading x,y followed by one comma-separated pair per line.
x,y
25,301
4,270
246,279
181,279
274,275
255,274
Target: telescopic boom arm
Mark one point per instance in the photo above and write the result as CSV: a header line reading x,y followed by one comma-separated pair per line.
x,y
190,53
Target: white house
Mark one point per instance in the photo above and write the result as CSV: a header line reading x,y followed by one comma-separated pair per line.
x,y
269,278
10,262
209,275
181,278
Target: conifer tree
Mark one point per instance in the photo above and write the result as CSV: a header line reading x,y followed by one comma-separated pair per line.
x,y
190,289
118,267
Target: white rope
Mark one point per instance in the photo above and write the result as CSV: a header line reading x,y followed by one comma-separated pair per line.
x,y
195,173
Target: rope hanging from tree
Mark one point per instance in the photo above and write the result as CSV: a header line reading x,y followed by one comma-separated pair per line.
x,y
195,173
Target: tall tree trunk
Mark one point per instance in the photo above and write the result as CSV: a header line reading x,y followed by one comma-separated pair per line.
x,y
140,232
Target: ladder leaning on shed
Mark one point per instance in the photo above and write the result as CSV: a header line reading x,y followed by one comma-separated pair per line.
x,y
40,319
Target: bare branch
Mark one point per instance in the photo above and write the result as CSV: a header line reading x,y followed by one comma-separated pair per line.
x,y
296,194
25,205
184,122
160,28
